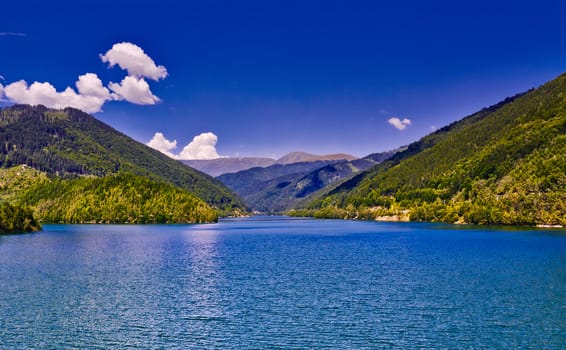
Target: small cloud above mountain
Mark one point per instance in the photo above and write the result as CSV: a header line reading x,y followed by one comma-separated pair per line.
x,y
160,143
134,90
133,59
90,93
398,123
202,146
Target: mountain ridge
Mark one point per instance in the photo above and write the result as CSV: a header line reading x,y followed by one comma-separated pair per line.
x,y
227,165
219,166
302,157
279,187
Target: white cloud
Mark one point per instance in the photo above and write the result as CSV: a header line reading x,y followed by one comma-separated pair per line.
x,y
139,65
202,146
90,97
160,143
90,85
134,90
398,123
133,59
90,94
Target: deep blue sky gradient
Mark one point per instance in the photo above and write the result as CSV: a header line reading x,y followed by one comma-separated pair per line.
x,y
270,77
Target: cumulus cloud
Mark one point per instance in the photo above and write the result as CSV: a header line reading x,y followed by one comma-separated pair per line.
x,y
163,145
1,91
202,146
90,97
90,85
132,58
91,94
134,90
398,123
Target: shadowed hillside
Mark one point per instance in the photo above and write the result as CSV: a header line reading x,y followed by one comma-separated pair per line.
x,y
280,187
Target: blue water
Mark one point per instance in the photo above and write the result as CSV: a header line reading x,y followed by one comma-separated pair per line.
x,y
283,283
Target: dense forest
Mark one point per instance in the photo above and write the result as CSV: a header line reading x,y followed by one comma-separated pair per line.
x,y
16,219
70,143
121,198
503,165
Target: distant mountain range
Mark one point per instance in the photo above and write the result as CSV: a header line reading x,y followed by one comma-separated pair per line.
x,y
225,165
281,186
299,157
505,164
70,144
219,166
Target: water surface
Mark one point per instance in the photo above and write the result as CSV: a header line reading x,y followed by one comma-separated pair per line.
x,y
283,283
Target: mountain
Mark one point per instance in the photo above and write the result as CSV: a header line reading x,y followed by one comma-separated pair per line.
x,y
251,181
219,166
70,143
227,165
301,157
505,164
280,187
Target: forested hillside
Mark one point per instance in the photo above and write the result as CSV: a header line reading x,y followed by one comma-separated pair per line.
x,y
120,198
69,143
504,165
16,219
123,198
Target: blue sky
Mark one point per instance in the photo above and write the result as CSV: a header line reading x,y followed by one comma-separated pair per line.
x,y
270,77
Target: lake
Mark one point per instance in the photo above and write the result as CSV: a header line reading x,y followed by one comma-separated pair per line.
x,y
275,282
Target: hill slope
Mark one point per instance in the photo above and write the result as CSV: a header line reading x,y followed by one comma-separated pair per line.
x,y
69,143
16,219
505,164
118,198
252,181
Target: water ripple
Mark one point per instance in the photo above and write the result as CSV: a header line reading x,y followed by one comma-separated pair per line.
x,y
276,283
